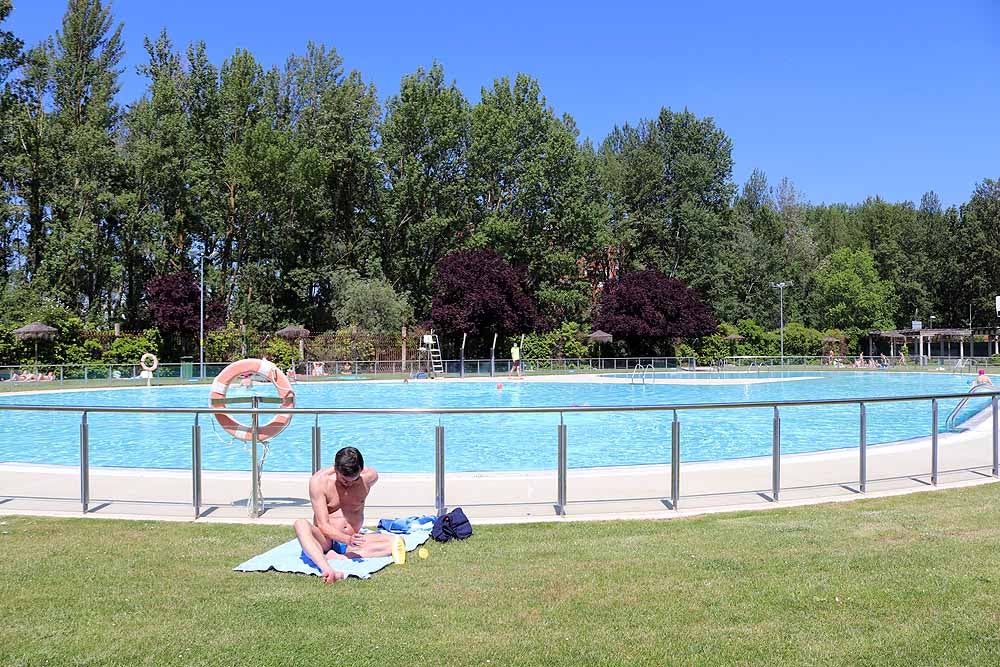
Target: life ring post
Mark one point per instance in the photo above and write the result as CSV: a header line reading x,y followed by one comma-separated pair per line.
x,y
148,363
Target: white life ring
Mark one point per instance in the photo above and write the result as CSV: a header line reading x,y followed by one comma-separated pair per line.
x,y
259,367
149,362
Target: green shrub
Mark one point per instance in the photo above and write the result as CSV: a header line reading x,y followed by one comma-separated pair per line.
x,y
81,354
537,346
129,348
800,339
352,345
281,352
568,341
374,305
226,344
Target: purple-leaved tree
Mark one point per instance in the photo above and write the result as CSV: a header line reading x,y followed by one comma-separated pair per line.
x,y
477,292
648,310
174,304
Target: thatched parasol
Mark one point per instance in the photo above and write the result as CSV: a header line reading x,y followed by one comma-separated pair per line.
x,y
294,332
600,337
36,331
733,338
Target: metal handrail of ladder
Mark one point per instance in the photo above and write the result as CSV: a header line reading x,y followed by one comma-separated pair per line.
x,y
949,423
436,363
635,371
642,376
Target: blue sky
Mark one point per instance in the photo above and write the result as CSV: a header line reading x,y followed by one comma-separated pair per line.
x,y
848,99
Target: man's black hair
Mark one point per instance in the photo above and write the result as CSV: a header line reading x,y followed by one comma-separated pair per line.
x,y
349,462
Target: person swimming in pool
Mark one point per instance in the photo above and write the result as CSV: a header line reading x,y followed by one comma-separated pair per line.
x,y
338,494
982,379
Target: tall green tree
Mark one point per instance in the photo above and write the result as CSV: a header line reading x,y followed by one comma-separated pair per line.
x,y
800,255
427,207
10,59
330,199
977,245
157,224
849,295
536,202
84,228
753,256
670,185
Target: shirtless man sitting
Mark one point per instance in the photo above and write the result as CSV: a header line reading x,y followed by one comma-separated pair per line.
x,y
338,496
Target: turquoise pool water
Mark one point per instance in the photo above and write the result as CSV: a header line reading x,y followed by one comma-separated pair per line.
x,y
487,442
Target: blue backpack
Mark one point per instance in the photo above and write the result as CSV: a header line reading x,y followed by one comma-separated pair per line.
x,y
454,524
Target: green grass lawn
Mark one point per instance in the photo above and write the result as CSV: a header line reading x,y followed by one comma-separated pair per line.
x,y
911,580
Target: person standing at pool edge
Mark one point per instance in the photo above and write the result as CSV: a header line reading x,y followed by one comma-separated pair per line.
x,y
338,494
515,361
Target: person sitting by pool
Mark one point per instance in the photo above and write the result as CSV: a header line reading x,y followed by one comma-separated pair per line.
x,y
338,495
291,373
346,368
860,362
318,368
246,380
982,379
883,361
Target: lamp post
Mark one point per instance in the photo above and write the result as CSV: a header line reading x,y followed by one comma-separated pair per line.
x,y
781,315
201,317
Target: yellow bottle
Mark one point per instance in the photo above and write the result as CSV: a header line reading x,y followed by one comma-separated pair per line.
x,y
399,550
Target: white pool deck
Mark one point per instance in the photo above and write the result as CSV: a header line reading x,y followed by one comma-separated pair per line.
x,y
637,492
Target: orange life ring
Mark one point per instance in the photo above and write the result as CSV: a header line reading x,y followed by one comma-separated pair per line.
x,y
263,368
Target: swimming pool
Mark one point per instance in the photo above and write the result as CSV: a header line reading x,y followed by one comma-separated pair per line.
x,y
482,442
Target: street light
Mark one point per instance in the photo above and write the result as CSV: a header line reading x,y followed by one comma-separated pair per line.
x,y
201,317
781,314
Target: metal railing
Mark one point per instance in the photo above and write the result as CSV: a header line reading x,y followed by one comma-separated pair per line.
x,y
123,375
849,362
440,502
120,375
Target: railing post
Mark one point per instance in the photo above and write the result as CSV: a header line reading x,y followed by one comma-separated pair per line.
x,y
439,505
776,456
561,475
84,462
996,438
196,466
317,454
863,451
675,461
254,469
934,441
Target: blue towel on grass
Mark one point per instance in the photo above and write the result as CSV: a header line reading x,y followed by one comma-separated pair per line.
x,y
289,557
408,525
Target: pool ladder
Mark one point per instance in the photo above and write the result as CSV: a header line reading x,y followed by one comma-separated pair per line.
x,y
640,367
949,424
